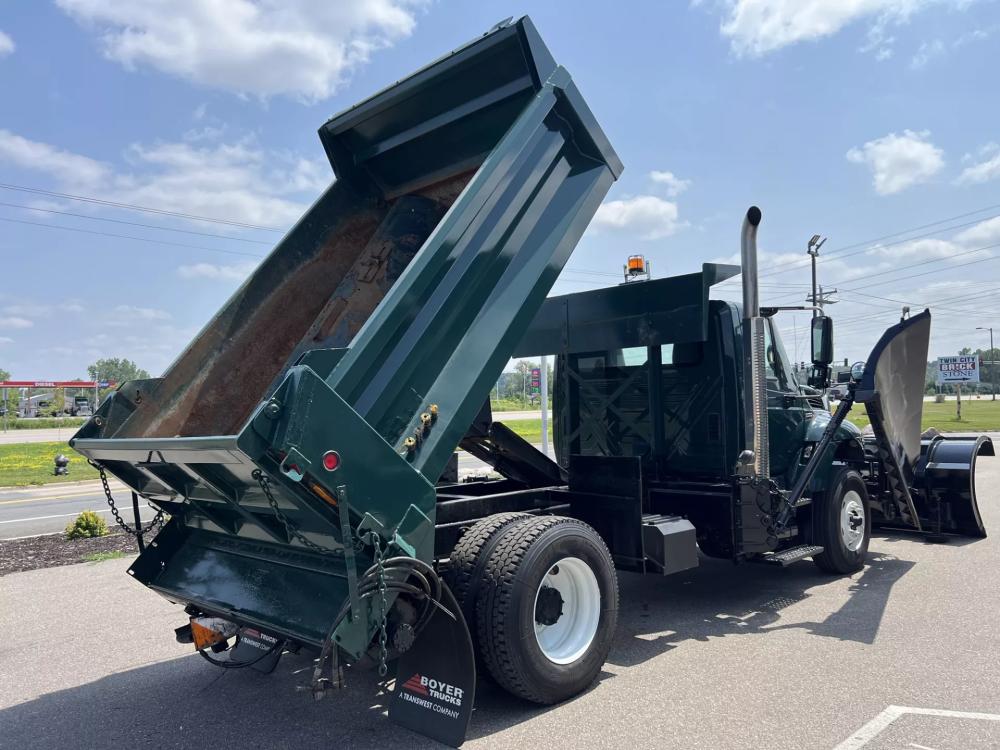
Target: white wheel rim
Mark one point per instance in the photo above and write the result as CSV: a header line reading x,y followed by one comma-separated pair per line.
x,y
852,520
569,637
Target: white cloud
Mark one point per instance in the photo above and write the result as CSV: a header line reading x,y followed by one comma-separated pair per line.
x,y
74,170
988,169
646,215
7,45
14,321
899,161
756,27
927,52
238,181
674,185
27,310
6,340
921,249
299,47
142,313
984,233
236,272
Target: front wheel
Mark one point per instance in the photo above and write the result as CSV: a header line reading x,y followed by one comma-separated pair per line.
x,y
548,612
843,524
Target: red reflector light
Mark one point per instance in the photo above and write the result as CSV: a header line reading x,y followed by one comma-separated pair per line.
x,y
331,460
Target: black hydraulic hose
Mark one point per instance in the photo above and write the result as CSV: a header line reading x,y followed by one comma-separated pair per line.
x,y
429,591
806,475
229,664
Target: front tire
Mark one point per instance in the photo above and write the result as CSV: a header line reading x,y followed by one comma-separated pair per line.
x,y
843,524
548,610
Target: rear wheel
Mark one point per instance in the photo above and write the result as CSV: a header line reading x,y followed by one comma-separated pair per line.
x,y
467,563
548,609
842,521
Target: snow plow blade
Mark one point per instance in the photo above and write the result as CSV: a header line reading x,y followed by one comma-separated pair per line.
x,y
932,481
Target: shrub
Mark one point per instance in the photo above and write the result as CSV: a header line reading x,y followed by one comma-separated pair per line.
x,y
939,398
87,524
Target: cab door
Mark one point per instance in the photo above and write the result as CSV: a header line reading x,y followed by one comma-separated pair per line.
x,y
787,410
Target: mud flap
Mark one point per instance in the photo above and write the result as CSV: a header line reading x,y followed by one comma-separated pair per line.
x,y
261,651
436,679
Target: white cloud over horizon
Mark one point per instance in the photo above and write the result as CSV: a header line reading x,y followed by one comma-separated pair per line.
x,y
985,170
237,181
647,216
300,48
673,185
7,45
15,322
758,27
213,271
899,161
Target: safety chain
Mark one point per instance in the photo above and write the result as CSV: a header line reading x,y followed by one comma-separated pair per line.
x,y
384,607
138,532
265,485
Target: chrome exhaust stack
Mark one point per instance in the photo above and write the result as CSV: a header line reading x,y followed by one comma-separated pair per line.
x,y
754,350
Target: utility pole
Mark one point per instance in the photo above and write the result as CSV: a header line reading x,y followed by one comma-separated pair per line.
x,y
544,403
993,364
812,249
822,299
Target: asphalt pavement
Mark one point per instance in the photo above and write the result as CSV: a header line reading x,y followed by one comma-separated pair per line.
x,y
47,435
28,511
905,654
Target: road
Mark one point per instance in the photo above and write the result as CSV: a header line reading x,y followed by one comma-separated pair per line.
x,y
902,655
46,435
65,433
509,416
47,509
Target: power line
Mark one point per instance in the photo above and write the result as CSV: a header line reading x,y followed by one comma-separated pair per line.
x,y
840,253
135,223
128,237
133,207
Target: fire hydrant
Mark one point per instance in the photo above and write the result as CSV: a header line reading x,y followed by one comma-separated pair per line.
x,y
62,465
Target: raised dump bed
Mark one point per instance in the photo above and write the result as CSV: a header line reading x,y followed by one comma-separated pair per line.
x,y
303,429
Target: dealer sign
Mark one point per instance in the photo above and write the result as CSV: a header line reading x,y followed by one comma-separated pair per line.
x,y
962,369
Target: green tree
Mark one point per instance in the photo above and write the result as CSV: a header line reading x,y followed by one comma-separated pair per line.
x,y
10,404
118,370
58,402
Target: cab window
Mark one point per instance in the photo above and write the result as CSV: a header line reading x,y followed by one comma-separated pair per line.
x,y
778,369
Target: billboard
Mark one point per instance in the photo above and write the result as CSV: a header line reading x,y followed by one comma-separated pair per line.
x,y
960,369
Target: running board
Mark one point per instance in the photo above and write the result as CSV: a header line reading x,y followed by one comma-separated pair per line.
x,y
793,554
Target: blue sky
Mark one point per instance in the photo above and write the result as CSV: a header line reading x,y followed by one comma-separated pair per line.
x,y
862,120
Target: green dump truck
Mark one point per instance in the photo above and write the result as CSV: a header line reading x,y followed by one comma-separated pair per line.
x,y
297,445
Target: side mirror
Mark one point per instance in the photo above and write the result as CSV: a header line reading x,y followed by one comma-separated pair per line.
x,y
822,341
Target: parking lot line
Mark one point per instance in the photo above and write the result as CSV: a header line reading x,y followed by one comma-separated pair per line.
x,y
879,724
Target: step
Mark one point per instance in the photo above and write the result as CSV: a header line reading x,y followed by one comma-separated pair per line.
x,y
792,554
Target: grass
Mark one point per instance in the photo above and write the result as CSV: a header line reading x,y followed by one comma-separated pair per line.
x,y
102,556
43,423
978,415
31,463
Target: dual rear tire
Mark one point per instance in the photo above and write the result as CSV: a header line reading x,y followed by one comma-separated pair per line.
x,y
540,596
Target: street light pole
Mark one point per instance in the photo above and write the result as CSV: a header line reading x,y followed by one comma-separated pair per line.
x,y
993,372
